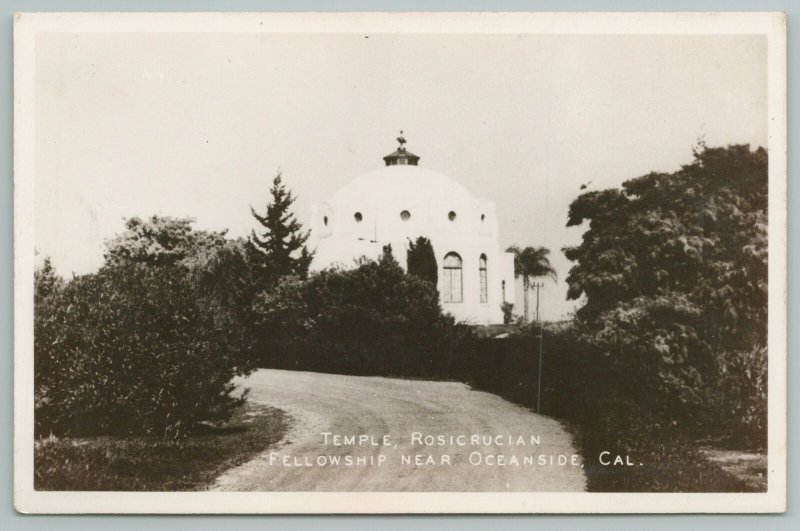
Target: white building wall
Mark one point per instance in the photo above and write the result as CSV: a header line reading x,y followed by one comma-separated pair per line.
x,y
381,196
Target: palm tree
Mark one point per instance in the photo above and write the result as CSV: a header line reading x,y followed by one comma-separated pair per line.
x,y
531,262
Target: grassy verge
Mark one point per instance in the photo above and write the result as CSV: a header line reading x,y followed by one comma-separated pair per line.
x,y
664,460
750,467
152,464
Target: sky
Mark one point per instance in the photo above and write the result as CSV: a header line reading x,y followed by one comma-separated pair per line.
x,y
182,124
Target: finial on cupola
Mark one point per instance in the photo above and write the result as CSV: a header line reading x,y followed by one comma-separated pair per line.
x,y
401,156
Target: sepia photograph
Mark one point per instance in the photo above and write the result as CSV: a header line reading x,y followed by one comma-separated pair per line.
x,y
407,262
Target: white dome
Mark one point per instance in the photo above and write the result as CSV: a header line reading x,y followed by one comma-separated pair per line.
x,y
402,201
400,184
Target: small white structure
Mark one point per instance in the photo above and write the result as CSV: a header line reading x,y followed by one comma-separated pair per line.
x,y
402,201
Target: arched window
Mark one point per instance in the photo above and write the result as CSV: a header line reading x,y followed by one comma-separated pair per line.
x,y
503,285
482,270
452,278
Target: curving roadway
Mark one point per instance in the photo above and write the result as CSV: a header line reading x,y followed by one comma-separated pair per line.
x,y
466,440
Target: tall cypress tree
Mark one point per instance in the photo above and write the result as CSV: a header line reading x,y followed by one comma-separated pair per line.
x,y
280,247
421,260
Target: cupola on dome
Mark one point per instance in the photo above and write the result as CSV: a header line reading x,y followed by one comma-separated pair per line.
x,y
401,156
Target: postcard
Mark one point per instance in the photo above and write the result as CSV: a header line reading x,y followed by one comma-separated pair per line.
x,y
400,262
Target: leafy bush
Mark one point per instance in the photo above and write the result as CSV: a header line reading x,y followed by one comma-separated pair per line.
x,y
47,289
674,271
741,390
653,344
133,352
373,319
148,344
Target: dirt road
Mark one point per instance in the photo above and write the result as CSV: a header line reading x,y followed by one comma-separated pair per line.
x,y
402,435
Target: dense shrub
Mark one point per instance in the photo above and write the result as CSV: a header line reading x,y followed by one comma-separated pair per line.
x,y
654,346
132,351
572,373
673,268
372,319
741,389
47,291
602,402
225,288
149,343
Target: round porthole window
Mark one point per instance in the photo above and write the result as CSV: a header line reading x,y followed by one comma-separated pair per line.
x,y
405,215
451,216
358,217
325,220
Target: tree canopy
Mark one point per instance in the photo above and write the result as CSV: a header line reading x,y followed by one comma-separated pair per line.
x,y
160,240
673,267
280,244
529,263
700,231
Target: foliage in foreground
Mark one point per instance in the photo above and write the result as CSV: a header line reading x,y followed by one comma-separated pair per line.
x,y
674,271
663,458
609,408
584,389
147,345
147,463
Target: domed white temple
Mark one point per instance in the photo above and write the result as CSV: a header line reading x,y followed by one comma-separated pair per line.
x,y
402,201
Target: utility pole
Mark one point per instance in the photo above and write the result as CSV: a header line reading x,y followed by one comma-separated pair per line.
x,y
539,286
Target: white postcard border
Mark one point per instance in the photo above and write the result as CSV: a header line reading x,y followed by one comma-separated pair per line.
x,y
28,25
